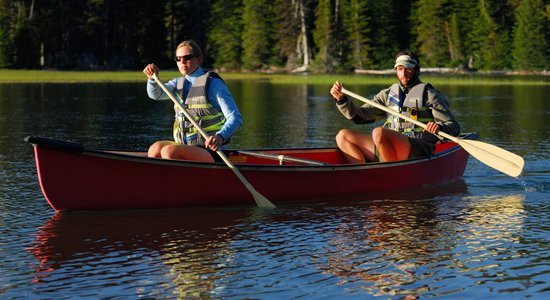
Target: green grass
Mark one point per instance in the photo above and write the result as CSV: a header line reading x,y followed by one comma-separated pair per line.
x,y
38,76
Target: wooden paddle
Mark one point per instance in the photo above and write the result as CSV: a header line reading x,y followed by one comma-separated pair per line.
x,y
261,201
491,155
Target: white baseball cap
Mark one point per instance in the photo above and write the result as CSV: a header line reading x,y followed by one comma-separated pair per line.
x,y
406,61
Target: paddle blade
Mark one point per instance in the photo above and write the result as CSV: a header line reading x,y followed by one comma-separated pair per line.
x,y
261,201
495,157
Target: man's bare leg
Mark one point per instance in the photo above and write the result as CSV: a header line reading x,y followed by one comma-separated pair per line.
x,y
357,147
392,145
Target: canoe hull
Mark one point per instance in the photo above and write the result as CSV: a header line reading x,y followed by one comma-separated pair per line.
x,y
87,179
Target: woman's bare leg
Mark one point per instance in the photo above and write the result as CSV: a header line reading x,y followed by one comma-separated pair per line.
x,y
156,148
187,152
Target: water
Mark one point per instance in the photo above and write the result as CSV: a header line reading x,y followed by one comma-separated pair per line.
x,y
486,236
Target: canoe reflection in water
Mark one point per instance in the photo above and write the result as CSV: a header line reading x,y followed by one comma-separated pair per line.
x,y
150,249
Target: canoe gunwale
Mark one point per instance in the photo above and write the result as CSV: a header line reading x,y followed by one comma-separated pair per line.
x,y
138,157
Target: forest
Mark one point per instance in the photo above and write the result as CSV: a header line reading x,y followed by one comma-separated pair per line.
x,y
323,36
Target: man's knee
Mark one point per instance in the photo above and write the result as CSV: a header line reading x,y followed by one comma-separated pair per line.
x,y
342,136
378,135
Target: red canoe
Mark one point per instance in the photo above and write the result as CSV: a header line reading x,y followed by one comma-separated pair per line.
x,y
74,177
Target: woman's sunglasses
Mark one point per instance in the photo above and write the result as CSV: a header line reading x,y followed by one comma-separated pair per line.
x,y
185,58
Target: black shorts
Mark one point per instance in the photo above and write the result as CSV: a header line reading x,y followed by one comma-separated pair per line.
x,y
214,154
420,148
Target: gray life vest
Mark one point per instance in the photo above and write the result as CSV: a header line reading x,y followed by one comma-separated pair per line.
x,y
413,105
209,118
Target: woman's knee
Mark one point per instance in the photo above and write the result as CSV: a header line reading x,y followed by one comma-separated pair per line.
x,y
169,151
155,149
186,152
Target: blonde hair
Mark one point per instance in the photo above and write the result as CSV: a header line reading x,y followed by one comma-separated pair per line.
x,y
193,45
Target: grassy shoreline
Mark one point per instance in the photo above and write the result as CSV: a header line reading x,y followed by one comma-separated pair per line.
x,y
39,76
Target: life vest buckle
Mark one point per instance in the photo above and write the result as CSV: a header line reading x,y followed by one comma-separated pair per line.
x,y
414,113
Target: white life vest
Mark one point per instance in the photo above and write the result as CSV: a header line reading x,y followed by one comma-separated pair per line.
x,y
209,118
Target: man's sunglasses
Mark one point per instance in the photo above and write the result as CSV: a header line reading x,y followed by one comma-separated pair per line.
x,y
185,58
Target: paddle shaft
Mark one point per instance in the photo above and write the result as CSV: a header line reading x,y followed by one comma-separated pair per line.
x,y
261,201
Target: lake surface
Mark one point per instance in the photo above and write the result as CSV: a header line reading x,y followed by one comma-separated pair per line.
x,y
486,236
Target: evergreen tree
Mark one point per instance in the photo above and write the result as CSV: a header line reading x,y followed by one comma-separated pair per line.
x,y
258,33
357,23
402,29
288,27
462,16
322,34
119,32
151,35
188,19
338,35
225,31
502,14
25,47
390,30
330,37
530,46
6,37
431,35
454,40
293,32
486,39
61,34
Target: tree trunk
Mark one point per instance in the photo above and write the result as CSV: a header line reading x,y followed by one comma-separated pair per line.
x,y
303,34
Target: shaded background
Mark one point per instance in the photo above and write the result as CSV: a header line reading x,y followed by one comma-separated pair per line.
x,y
316,35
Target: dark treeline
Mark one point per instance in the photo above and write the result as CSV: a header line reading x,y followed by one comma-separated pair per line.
x,y
314,35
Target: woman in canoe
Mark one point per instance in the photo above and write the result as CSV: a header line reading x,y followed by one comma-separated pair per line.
x,y
207,99
397,139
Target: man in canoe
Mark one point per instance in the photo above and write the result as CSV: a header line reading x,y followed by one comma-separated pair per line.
x,y
397,139
206,98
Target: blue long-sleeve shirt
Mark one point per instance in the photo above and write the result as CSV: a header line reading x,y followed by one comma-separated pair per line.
x,y
218,95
